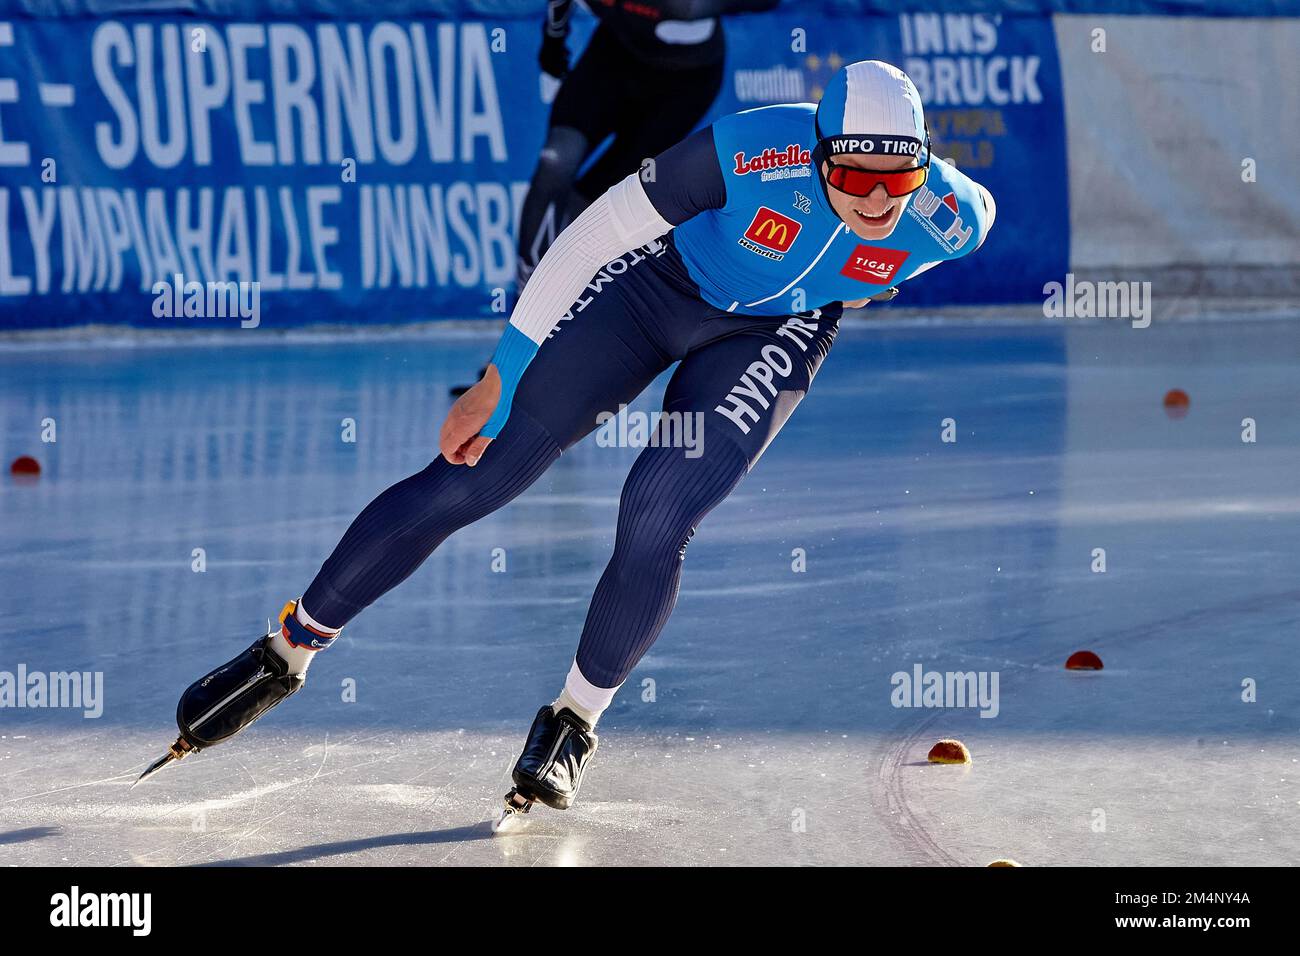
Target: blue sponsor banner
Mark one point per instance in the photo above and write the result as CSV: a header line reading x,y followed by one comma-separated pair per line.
x,y
362,171
356,171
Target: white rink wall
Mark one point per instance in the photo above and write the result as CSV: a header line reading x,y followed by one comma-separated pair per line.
x,y
1159,127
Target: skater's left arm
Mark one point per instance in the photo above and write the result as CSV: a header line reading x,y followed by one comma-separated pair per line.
x,y
984,221
990,213
878,297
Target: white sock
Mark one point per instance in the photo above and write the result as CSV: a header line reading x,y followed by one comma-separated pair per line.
x,y
299,658
583,697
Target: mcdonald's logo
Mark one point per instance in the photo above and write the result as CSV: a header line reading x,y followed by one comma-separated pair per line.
x,y
770,232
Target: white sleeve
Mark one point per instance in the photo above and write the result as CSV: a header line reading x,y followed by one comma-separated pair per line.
x,y
619,221
991,211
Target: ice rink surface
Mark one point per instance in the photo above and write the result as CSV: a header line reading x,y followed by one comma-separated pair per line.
x,y
760,729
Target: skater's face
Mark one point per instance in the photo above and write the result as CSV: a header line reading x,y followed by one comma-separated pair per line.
x,y
874,215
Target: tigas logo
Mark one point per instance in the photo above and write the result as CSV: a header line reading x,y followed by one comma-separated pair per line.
x,y
873,264
770,234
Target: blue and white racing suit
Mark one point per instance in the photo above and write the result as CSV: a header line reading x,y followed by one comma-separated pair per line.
x,y
724,256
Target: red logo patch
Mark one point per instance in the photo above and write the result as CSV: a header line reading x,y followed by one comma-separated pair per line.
x,y
873,264
772,231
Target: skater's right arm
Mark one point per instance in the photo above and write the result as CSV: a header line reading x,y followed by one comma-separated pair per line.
x,y
678,184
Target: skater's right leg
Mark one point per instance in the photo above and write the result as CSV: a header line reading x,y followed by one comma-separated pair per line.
x,y
399,529
387,541
601,355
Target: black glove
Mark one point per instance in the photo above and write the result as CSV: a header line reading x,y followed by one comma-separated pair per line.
x,y
554,56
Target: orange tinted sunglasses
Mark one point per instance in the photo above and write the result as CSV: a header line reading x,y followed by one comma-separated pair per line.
x,y
860,182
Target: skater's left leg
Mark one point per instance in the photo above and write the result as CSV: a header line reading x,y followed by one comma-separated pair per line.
x,y
665,497
741,389
727,400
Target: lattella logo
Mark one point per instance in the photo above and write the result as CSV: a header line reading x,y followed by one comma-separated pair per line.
x,y
772,158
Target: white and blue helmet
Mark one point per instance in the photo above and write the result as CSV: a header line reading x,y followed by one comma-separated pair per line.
x,y
871,107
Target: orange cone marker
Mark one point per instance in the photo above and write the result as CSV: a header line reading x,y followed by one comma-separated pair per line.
x,y
1083,661
25,466
949,751
1177,403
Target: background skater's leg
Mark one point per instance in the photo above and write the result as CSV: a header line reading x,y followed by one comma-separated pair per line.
x,y
582,117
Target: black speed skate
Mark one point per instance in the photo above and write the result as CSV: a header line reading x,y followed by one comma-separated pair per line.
x,y
550,769
221,704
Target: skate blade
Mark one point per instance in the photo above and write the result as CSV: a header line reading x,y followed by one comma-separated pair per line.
x,y
177,751
513,818
509,822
